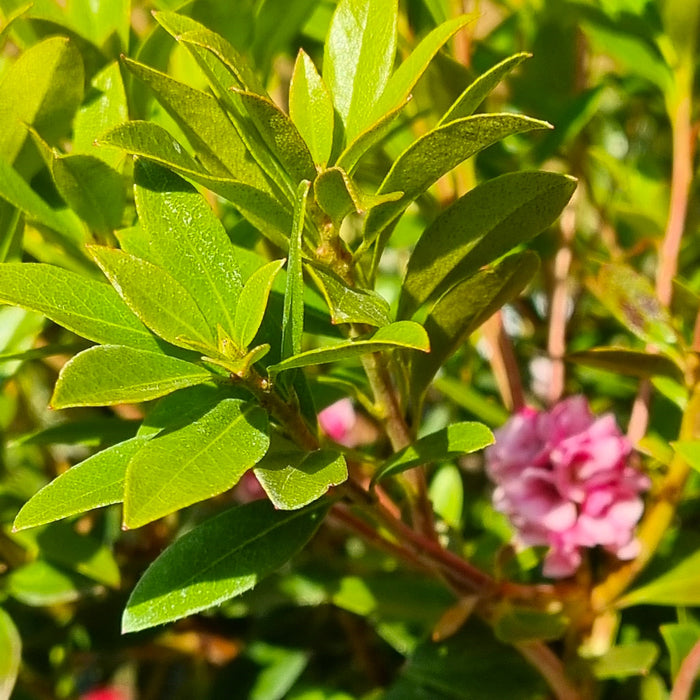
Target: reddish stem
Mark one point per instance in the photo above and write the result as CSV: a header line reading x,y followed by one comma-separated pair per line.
x,y
687,674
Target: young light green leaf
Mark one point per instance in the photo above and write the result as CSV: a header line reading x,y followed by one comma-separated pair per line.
x,y
636,363
186,238
106,375
446,493
292,479
311,108
406,76
89,308
200,460
689,450
10,654
350,304
474,94
253,301
161,302
95,482
625,660
281,136
433,155
359,58
479,228
218,560
461,310
454,441
41,583
402,334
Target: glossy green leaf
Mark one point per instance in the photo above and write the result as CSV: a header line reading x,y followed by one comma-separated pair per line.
x,y
453,441
41,583
197,461
104,108
406,76
10,654
280,134
402,334
689,450
253,302
218,560
106,375
466,104
480,227
625,660
436,153
636,363
680,638
292,479
311,108
43,88
350,304
89,308
161,302
293,311
679,586
460,311
156,144
524,625
359,58
185,237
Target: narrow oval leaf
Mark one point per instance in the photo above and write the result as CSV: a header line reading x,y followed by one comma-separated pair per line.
x,y
454,441
480,227
186,238
10,654
435,154
85,306
253,302
218,560
359,58
636,363
161,302
106,375
466,104
95,482
294,479
311,108
402,334
200,460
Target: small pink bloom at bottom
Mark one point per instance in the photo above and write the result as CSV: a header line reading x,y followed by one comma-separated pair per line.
x,y
104,693
338,420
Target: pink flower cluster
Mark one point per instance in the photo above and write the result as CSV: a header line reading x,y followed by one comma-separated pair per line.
x,y
563,480
338,420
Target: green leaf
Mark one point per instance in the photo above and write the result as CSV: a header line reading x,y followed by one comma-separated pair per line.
x,y
161,302
200,460
435,154
679,586
402,334
466,104
524,625
359,58
253,301
43,88
106,375
446,493
689,450
680,639
626,660
406,76
311,108
460,311
89,308
292,479
186,238
281,668
350,304
480,227
454,441
156,144
281,136
40,583
293,312
104,108
10,654
88,432
218,560
636,363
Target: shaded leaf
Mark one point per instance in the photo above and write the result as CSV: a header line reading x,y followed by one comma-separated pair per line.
x,y
680,638
10,654
636,363
218,560
41,583
197,461
89,432
524,625
689,450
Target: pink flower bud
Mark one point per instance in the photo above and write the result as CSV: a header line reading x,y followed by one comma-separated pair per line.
x,y
338,420
563,480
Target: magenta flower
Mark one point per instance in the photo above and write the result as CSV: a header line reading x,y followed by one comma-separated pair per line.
x,y
338,420
563,480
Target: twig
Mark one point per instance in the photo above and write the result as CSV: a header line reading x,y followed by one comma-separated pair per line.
x,y
550,668
504,363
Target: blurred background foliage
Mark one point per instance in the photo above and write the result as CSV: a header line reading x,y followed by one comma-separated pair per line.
x,y
609,74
